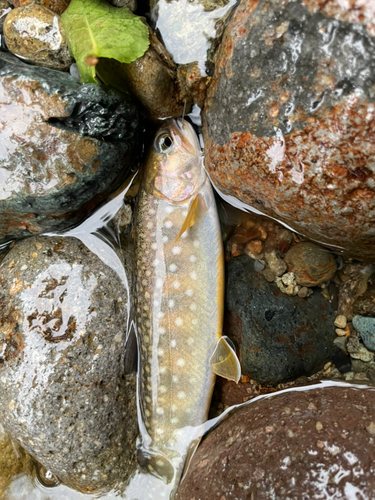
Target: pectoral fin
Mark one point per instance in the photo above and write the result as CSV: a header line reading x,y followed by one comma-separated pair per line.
x,y
196,211
224,361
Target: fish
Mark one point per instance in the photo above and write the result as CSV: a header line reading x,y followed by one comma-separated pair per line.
x,y
179,301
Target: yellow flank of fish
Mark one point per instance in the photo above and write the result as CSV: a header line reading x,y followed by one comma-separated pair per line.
x,y
179,298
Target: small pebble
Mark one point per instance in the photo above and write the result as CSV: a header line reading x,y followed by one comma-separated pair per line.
x,y
254,246
303,292
340,321
268,274
275,263
349,376
288,279
259,266
371,429
340,332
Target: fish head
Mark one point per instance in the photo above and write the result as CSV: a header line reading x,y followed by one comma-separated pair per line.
x,y
174,169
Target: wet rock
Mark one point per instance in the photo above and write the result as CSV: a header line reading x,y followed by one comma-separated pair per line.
x,y
153,80
366,327
357,350
36,34
279,338
63,393
275,263
311,264
5,8
301,444
130,4
340,321
63,147
58,6
290,131
354,278
365,303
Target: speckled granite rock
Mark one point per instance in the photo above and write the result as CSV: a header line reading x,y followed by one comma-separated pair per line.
x,y
37,35
63,147
279,337
289,117
58,6
63,394
318,443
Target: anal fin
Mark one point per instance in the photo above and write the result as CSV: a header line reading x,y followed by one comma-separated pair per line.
x,y
224,361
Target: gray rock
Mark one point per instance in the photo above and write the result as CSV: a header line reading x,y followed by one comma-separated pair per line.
x,y
130,4
366,327
357,350
279,337
63,147
63,393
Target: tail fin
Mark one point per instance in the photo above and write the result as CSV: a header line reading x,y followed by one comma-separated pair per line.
x,y
156,464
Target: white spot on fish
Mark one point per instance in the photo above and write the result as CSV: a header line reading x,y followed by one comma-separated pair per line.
x,y
148,399
147,368
160,463
147,412
189,292
162,369
162,389
160,352
146,339
168,224
154,246
146,308
174,379
173,343
196,243
160,411
151,211
190,341
148,387
161,330
160,315
148,273
176,284
165,239
171,303
181,395
160,432
169,209
174,420
193,275
173,407
172,268
159,283
185,234
193,258
149,225
194,321
180,362
147,295
176,250
193,307
178,322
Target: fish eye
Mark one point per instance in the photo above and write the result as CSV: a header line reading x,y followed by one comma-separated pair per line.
x,y
164,142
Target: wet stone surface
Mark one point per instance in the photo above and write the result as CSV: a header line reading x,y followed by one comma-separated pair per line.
x,y
64,396
312,444
289,118
58,6
279,338
63,147
5,8
37,35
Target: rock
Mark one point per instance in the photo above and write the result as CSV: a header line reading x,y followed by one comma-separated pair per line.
x,y
340,321
366,327
340,332
37,35
354,279
275,263
311,264
58,6
291,445
269,111
130,4
4,10
357,350
153,80
279,338
365,304
64,147
63,393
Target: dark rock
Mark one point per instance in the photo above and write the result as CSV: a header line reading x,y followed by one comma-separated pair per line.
x,y
63,147
311,264
37,35
63,393
279,337
5,8
316,443
288,119
58,6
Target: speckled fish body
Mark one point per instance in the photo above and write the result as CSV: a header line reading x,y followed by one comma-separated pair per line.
x,y
179,296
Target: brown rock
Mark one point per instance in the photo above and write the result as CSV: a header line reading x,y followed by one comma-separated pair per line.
x,y
354,286
286,132
278,447
36,34
58,6
311,264
254,246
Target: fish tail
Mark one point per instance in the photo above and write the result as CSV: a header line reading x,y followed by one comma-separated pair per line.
x,y
156,464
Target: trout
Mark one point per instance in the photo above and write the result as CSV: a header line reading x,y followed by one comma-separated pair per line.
x,y
179,300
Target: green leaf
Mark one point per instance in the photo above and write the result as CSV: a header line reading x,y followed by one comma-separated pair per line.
x,y
96,29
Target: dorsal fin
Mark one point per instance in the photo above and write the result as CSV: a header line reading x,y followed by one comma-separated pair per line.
x,y
224,361
196,210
